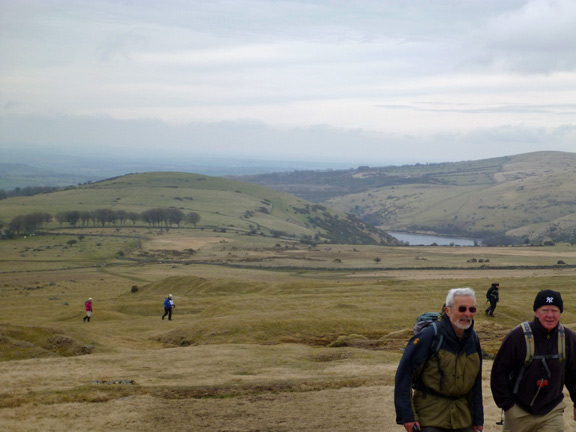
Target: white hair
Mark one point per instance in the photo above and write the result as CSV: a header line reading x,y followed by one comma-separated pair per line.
x,y
454,292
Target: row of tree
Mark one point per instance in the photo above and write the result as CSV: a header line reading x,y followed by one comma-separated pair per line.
x,y
156,217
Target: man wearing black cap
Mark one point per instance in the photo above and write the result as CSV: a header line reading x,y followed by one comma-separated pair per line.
x,y
532,366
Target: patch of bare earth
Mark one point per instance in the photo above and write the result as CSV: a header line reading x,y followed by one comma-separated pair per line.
x,y
182,243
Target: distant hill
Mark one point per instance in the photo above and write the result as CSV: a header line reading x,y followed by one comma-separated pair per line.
x,y
514,199
222,204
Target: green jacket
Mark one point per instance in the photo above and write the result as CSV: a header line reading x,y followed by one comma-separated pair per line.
x,y
448,385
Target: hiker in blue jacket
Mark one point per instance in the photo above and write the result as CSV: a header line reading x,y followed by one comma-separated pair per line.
x,y
168,306
534,363
447,380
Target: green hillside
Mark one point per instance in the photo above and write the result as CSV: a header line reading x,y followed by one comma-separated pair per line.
x,y
221,204
514,199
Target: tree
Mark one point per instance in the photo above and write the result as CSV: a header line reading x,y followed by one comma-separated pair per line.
x,y
30,222
133,216
193,218
103,216
85,217
152,217
71,217
121,216
17,224
174,216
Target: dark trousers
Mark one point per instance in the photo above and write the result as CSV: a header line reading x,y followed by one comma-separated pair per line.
x,y
167,311
492,306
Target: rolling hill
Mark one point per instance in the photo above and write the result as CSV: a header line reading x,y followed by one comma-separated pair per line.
x,y
515,199
222,204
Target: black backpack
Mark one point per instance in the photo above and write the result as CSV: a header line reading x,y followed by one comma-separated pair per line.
x,y
428,319
529,338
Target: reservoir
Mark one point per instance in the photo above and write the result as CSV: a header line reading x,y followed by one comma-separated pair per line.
x,y
427,240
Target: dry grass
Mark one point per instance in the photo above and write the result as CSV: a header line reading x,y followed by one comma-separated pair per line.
x,y
210,388
247,350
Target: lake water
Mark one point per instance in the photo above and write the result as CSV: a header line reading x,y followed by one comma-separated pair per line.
x,y
427,240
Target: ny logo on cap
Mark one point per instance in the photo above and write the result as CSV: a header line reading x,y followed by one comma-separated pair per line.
x,y
549,299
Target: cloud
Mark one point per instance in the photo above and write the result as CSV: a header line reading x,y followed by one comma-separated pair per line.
x,y
464,108
306,78
536,38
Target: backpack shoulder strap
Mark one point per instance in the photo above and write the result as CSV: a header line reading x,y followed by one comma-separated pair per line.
x,y
438,339
561,343
434,348
529,338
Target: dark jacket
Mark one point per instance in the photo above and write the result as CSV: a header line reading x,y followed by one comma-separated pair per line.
x,y
509,362
449,389
493,295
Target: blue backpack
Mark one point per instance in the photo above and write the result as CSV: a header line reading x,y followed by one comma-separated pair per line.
x,y
167,304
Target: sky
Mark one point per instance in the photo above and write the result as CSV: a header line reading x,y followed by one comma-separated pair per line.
x,y
360,82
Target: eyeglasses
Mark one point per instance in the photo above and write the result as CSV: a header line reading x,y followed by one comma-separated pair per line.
x,y
462,309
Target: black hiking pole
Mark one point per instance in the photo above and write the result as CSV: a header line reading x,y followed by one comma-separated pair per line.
x,y
501,422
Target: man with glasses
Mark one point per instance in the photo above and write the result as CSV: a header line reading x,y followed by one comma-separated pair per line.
x,y
446,376
534,362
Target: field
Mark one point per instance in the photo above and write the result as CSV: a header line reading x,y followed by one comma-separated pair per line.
x,y
267,335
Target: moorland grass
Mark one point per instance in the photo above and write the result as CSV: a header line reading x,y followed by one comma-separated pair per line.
x,y
240,336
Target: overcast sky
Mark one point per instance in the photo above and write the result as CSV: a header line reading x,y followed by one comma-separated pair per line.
x,y
367,82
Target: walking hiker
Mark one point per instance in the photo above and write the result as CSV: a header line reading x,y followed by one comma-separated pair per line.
x,y
534,363
446,376
168,306
88,308
493,296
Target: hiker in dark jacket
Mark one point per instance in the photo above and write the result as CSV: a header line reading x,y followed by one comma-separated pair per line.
x,y
493,296
532,396
447,383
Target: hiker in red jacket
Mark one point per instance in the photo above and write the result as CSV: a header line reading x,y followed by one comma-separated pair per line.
x,y
88,307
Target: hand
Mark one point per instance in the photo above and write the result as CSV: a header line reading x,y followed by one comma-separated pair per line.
x,y
410,426
477,428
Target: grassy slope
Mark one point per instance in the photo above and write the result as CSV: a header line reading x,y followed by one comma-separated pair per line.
x,y
520,195
222,305
221,203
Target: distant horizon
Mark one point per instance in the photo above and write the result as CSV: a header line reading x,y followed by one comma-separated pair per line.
x,y
202,164
90,168
368,82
